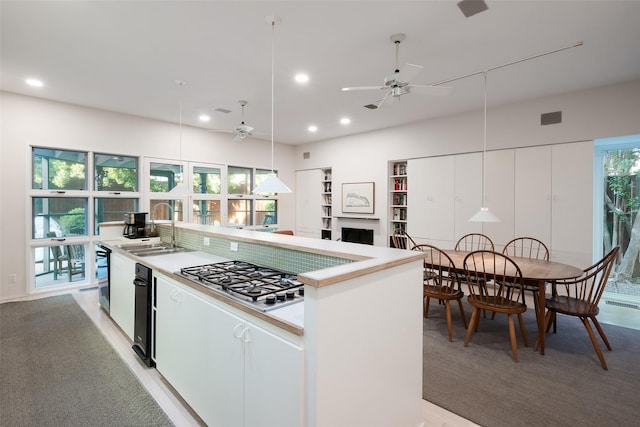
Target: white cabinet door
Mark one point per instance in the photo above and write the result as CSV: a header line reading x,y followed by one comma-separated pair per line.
x,y
467,178
226,366
500,174
533,193
274,387
122,297
572,212
431,200
181,342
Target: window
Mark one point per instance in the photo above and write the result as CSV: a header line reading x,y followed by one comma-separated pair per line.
x,y
111,209
239,213
115,173
164,177
206,212
239,180
266,212
59,169
164,209
206,180
71,193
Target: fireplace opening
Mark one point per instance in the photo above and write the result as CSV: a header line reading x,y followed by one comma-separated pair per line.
x,y
357,235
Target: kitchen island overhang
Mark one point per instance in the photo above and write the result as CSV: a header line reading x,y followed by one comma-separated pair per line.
x,y
362,328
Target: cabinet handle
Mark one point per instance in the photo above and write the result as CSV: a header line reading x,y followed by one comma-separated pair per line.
x,y
235,330
176,296
245,335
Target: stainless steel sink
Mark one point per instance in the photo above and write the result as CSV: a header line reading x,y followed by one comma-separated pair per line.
x,y
159,251
153,249
130,247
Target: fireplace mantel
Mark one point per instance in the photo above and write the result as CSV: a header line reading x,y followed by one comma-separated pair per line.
x,y
358,217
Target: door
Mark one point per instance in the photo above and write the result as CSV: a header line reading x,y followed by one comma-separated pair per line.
x,y
617,196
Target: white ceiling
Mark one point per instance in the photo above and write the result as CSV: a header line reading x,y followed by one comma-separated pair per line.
x,y
125,56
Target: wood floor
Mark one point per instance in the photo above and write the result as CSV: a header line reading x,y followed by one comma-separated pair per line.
x,y
176,409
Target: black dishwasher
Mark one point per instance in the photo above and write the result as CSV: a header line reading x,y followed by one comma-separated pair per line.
x,y
142,325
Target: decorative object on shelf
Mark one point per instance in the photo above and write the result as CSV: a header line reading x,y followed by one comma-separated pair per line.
x,y
358,197
272,184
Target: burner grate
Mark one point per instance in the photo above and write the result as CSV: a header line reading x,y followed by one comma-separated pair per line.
x,y
248,282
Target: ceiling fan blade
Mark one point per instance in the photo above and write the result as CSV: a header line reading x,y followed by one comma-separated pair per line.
x,y
221,130
349,89
244,128
385,101
408,72
431,90
239,137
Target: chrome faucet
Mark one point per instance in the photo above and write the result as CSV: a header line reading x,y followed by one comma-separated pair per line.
x,y
173,221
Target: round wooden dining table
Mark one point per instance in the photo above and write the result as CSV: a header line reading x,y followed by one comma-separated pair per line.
x,y
534,272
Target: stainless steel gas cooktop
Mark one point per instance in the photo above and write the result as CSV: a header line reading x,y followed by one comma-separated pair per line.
x,y
261,287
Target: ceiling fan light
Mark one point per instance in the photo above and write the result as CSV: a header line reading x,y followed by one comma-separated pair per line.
x,y
484,215
272,184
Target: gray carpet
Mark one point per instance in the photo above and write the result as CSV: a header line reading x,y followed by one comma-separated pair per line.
x,y
565,387
56,369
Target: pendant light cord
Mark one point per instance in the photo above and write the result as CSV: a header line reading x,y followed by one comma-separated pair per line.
x,y
484,144
273,31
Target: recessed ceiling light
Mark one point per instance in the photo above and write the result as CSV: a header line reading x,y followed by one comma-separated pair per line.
x,y
302,78
345,120
204,118
313,128
34,82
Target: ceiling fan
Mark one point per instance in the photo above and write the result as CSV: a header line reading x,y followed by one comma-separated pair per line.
x,y
399,83
242,130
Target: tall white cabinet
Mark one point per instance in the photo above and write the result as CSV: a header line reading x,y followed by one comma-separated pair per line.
x,y
543,192
431,207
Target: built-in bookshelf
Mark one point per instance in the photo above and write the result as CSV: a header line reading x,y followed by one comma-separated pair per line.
x,y
397,198
326,206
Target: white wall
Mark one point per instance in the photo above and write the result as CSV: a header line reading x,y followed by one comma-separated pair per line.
x,y
602,112
28,121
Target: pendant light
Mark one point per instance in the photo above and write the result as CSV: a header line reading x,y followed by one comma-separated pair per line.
x,y
484,214
272,184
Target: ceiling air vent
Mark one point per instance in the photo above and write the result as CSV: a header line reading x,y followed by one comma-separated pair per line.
x,y
551,118
306,155
371,106
472,7
223,110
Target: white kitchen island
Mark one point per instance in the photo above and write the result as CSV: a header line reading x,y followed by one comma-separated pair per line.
x,y
358,332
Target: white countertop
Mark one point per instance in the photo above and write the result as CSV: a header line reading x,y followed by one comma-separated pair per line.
x,y
170,263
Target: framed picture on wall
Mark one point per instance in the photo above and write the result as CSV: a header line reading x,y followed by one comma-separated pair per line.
x,y
358,197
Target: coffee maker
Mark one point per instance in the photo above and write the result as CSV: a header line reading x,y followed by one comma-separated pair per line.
x,y
134,223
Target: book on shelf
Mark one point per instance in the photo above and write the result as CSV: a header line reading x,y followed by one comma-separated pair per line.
x,y
399,169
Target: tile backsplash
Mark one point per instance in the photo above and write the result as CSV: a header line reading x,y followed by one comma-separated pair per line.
x,y
293,261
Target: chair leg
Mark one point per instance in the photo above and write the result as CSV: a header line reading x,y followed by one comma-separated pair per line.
x,y
601,332
426,307
447,308
592,336
512,337
523,331
547,319
472,324
464,316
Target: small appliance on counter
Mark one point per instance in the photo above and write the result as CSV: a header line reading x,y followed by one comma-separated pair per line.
x,y
134,225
